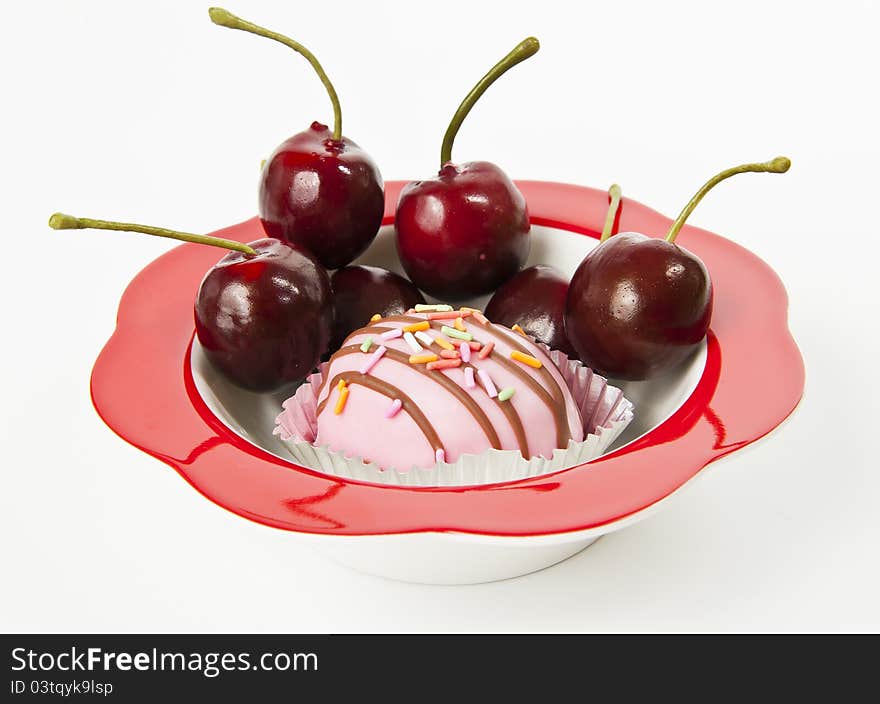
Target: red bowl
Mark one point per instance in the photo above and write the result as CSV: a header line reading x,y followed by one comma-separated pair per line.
x,y
143,389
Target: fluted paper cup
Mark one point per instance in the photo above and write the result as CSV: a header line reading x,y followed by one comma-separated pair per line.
x,y
603,408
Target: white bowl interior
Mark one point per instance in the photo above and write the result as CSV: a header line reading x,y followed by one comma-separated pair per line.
x,y
252,415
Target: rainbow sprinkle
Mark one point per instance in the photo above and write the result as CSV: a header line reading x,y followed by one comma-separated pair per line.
x,y
465,350
375,318
410,339
459,325
424,338
340,402
427,308
415,327
374,358
443,364
533,362
423,358
440,455
473,344
341,385
367,344
450,354
517,328
487,383
391,334
394,408
457,334
469,377
447,315
480,317
506,393
486,351
444,343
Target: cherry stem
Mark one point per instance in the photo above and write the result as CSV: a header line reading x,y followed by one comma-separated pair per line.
x,y
525,49
779,165
226,19
60,221
615,194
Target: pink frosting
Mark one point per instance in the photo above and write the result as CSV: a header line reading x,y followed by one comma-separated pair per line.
x,y
365,429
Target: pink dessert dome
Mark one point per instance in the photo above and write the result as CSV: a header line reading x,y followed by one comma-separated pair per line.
x,y
434,384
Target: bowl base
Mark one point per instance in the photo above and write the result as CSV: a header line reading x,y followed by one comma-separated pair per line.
x,y
446,558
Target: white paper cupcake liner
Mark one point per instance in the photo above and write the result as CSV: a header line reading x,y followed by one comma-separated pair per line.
x,y
603,408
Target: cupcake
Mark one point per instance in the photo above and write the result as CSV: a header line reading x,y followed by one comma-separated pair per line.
x,y
436,386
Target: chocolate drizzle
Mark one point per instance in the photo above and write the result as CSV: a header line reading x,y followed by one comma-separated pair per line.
x,y
553,398
383,387
516,423
463,396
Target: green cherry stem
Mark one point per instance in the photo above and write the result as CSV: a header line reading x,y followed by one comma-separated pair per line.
x,y
522,51
615,194
779,165
226,19
60,221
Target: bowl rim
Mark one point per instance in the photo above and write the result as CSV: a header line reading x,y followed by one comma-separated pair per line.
x,y
142,388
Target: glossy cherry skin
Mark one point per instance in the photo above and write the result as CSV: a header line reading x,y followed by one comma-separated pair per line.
x,y
464,232
637,306
534,299
265,320
359,292
323,195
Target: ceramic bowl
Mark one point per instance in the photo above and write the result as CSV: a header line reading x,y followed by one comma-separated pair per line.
x,y
152,386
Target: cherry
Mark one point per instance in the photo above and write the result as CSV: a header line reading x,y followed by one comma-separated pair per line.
x,y
639,305
535,298
263,313
465,232
360,292
318,189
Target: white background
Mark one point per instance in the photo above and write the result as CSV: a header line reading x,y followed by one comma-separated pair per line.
x,y
150,113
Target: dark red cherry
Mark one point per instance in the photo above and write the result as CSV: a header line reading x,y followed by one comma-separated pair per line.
x,y
638,305
360,292
318,190
464,232
263,313
322,194
534,299
265,319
